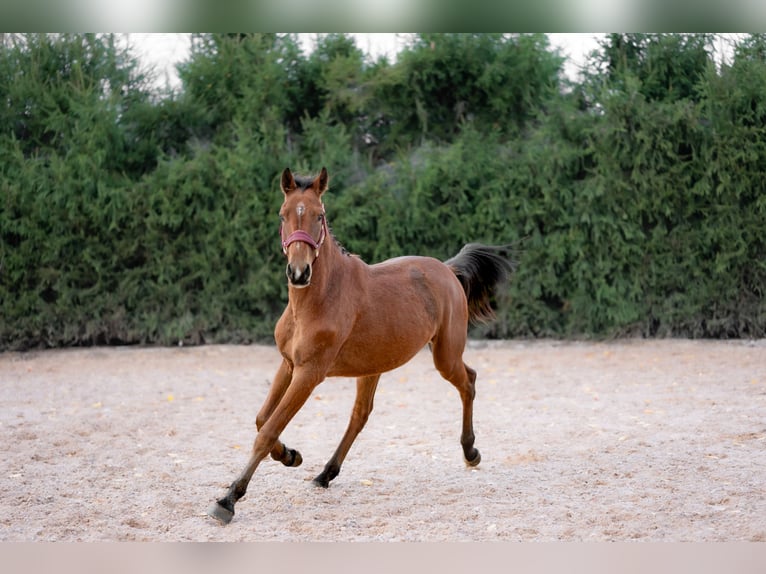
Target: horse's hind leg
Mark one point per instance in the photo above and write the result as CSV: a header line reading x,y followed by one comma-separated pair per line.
x,y
365,392
471,454
280,452
448,361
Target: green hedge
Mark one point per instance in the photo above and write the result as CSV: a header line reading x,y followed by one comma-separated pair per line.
x,y
635,198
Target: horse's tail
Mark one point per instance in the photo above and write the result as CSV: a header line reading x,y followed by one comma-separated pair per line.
x,y
480,269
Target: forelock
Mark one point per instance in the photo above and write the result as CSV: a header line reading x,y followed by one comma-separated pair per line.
x,y
303,182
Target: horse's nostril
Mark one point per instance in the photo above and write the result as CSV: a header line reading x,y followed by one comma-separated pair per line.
x,y
297,276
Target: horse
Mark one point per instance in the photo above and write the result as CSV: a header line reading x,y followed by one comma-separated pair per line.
x,y
345,318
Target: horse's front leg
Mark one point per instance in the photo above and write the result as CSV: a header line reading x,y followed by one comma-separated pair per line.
x,y
298,391
365,393
280,452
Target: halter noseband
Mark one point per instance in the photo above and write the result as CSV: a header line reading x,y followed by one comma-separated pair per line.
x,y
303,236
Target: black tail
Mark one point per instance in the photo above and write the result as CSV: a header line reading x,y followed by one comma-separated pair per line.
x,y
480,269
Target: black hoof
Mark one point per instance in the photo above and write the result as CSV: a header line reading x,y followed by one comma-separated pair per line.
x,y
475,460
292,457
321,481
221,514
330,471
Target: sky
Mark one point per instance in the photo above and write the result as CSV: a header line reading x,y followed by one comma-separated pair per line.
x,y
163,50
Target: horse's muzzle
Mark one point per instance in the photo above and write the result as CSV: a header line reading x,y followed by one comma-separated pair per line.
x,y
299,275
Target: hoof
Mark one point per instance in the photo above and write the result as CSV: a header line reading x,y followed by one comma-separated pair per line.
x,y
330,471
292,458
321,482
475,460
221,514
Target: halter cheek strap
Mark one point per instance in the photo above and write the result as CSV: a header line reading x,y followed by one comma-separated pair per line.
x,y
303,236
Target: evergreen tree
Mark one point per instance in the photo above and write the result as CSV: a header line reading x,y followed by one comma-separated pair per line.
x,y
635,196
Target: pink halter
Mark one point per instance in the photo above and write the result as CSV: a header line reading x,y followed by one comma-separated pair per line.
x,y
300,235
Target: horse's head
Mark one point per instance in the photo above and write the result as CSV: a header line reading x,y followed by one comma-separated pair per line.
x,y
303,228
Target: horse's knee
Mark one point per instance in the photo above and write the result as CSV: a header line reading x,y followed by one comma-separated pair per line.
x,y
362,415
260,420
264,443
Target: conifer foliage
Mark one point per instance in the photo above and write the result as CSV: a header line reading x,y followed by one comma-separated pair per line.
x,y
130,214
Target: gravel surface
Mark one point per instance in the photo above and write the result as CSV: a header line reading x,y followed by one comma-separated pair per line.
x,y
628,440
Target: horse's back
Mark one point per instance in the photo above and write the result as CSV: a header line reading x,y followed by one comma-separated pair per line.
x,y
399,268
415,281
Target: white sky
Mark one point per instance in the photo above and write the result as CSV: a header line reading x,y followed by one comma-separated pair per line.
x,y
162,50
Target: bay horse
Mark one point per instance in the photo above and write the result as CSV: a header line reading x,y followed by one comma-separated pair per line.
x,y
345,318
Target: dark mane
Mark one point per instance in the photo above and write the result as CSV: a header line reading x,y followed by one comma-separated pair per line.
x,y
343,250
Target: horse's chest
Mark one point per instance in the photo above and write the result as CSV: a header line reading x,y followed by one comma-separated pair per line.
x,y
300,343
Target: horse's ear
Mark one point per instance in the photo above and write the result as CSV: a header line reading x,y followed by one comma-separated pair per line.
x,y
288,181
322,180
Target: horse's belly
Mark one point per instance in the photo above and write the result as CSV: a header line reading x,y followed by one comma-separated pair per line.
x,y
378,354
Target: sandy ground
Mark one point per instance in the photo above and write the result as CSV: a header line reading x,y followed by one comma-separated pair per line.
x,y
630,440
